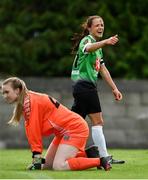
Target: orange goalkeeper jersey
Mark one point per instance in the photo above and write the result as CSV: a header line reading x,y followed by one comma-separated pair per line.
x,y
44,115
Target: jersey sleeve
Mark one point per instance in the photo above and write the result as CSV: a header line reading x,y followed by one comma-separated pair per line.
x,y
84,42
33,125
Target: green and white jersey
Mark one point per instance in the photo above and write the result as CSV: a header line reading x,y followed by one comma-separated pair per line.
x,y
87,64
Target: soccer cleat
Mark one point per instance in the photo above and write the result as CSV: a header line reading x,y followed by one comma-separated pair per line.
x,y
114,161
105,163
99,168
92,152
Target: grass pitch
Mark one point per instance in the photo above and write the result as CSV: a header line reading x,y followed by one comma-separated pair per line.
x,y
13,165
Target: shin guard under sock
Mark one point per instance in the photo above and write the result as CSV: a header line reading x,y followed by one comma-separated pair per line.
x,y
82,163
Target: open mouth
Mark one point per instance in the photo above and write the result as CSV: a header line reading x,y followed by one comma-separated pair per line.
x,y
100,33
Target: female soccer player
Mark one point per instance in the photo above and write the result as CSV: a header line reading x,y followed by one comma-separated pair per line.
x,y
87,64
43,116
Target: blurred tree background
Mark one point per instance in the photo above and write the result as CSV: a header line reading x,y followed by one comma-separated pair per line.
x,y
35,36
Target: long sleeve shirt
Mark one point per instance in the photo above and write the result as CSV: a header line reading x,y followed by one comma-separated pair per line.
x,y
44,115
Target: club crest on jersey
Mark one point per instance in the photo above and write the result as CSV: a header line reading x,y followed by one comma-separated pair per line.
x,y
66,137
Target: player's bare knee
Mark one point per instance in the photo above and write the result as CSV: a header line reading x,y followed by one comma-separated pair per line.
x,y
98,123
46,166
58,166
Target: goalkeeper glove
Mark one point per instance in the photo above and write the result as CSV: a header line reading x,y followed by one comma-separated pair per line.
x,y
36,163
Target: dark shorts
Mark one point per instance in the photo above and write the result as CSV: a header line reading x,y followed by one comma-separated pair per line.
x,y
86,103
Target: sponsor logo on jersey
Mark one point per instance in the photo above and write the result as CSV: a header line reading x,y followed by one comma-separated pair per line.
x,y
97,64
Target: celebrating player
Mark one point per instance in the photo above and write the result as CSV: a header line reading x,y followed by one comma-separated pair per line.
x,y
87,65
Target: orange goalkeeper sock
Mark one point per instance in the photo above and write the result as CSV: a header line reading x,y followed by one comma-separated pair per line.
x,y
82,163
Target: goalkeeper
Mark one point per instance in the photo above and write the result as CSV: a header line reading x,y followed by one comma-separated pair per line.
x,y
43,115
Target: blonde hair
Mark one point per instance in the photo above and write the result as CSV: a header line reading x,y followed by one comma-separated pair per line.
x,y
18,109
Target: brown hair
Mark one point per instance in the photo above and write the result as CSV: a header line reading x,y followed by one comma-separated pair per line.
x,y
78,36
17,112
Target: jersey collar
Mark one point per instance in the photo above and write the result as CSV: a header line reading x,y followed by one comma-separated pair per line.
x,y
92,37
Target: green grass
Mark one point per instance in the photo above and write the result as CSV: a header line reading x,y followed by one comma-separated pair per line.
x,y
14,162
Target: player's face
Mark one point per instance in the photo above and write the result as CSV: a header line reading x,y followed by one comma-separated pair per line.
x,y
97,28
10,95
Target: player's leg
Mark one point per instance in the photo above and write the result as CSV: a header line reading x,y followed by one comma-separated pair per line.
x,y
50,154
95,114
97,128
86,103
66,159
63,153
97,133
99,139
66,156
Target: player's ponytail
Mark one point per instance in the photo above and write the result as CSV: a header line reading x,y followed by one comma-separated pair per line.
x,y
18,109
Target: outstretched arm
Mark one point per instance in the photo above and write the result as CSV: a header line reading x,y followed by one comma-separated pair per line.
x,y
94,46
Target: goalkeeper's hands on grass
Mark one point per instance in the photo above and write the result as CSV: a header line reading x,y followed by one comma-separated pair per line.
x,y
36,162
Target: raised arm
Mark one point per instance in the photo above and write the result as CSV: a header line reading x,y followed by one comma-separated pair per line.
x,y
94,46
